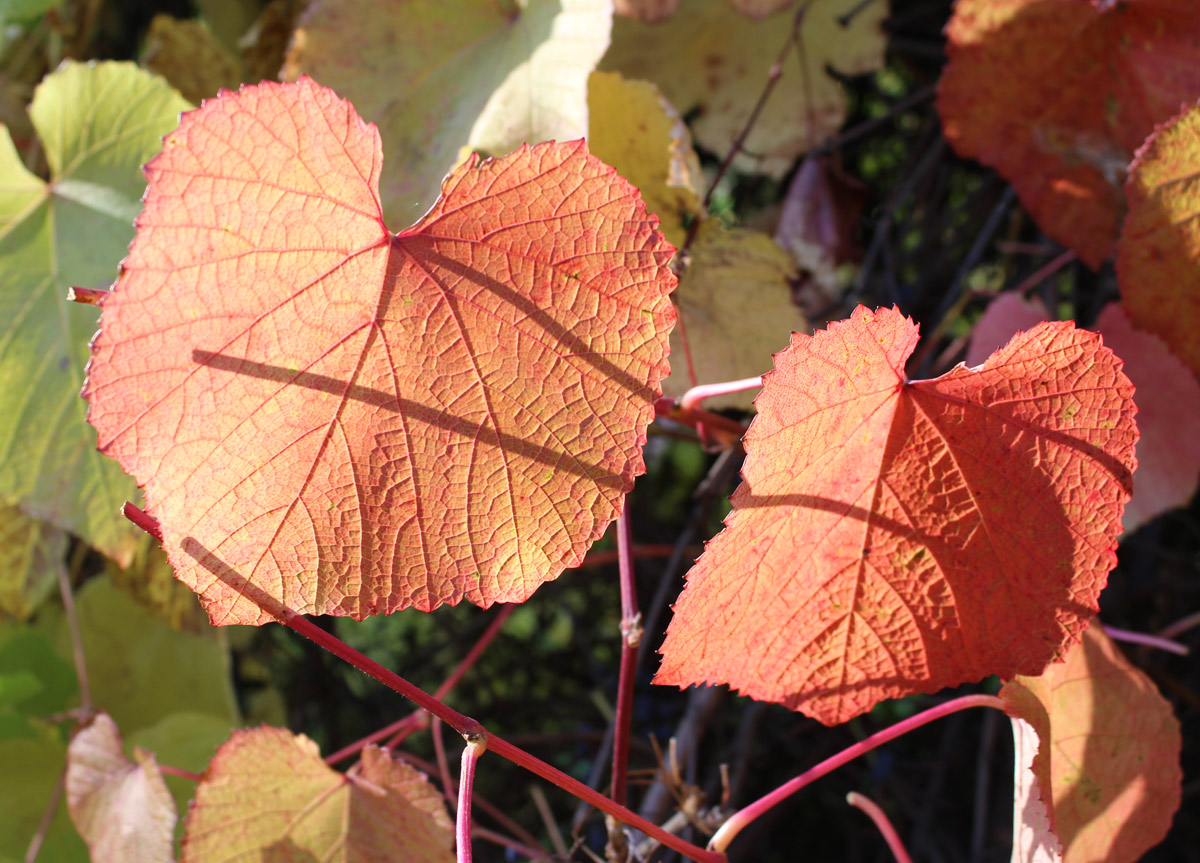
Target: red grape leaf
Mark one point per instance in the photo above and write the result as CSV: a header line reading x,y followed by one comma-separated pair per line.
x,y
893,537
122,809
386,810
1167,398
1159,250
346,421
1072,89
1109,755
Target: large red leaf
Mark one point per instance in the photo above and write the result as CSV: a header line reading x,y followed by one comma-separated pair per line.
x,y
1107,765
1167,398
341,420
893,537
1057,94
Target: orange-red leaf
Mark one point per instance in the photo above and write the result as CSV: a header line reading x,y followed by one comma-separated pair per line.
x,y
340,420
893,537
1167,398
1108,760
1057,94
268,796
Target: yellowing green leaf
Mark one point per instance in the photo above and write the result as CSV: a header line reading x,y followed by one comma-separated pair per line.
x,y
708,56
31,553
634,129
98,124
735,306
384,811
443,76
140,669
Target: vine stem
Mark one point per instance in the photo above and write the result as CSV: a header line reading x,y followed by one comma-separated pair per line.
x,y
1149,640
476,746
697,394
740,819
631,637
882,823
464,725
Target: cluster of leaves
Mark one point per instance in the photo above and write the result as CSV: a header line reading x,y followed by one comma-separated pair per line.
x,y
330,418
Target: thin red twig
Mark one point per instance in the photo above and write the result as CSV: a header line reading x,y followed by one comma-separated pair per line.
x,y
475,747
738,821
882,822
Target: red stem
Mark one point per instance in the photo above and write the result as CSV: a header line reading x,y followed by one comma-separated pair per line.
x,y
466,781
882,822
668,408
738,821
466,726
86,296
142,519
180,772
631,637
443,764
408,724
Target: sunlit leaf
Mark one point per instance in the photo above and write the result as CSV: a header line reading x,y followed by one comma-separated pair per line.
x,y
1158,255
711,58
735,302
1108,762
634,129
442,76
895,536
384,811
335,419
1167,398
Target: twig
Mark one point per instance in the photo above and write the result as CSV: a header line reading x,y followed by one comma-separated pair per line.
x,y
39,836
740,819
631,637
882,823
543,807
77,654
1146,639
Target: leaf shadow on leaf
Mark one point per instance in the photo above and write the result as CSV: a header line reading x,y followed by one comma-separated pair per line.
x,y
286,851
558,459
554,329
235,581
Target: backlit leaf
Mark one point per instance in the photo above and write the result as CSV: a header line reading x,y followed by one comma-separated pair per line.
x,y
893,537
122,809
384,811
1167,398
1108,763
735,302
634,129
336,419
1072,87
709,56
438,77
98,124
1158,255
